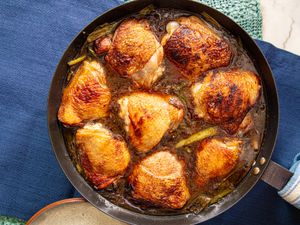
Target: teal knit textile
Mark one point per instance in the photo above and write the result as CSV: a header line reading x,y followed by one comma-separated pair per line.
x,y
246,13
4,220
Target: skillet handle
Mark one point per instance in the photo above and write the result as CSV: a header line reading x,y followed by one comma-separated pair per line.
x,y
286,181
276,175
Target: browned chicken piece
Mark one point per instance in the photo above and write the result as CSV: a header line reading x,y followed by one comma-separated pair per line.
x,y
136,53
148,117
104,156
102,45
87,97
193,47
159,179
225,97
216,158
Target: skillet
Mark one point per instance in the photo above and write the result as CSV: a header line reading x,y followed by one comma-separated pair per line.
x,y
263,167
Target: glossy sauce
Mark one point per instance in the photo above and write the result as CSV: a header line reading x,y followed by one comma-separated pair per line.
x,y
173,83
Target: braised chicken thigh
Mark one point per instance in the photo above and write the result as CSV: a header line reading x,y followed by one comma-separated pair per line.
x,y
135,52
104,156
225,97
216,158
193,47
148,117
86,97
160,180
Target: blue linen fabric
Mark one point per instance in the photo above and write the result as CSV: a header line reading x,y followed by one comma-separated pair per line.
x,y
33,37
291,191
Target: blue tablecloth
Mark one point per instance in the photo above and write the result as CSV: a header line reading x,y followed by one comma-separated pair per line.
x,y
33,37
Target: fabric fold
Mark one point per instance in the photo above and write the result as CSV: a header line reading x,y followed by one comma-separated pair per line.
x,y
291,191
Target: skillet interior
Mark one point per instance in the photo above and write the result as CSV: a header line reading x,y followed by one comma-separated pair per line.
x,y
126,215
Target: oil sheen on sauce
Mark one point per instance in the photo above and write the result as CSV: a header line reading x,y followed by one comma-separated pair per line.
x,y
172,83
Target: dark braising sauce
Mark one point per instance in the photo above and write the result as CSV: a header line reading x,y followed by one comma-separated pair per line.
x,y
173,83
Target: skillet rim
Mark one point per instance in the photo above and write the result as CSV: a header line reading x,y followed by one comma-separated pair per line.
x,y
125,215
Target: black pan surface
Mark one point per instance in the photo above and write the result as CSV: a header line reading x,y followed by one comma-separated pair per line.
x,y
269,139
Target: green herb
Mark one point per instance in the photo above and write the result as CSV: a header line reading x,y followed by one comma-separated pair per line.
x,y
108,28
198,203
103,30
211,20
77,60
92,52
198,136
220,195
79,168
147,10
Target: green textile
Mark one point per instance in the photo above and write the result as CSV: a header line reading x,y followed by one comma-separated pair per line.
x,y
4,220
246,13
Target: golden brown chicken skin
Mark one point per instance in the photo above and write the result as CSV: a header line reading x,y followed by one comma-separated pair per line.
x,y
148,116
104,156
86,97
136,53
193,47
159,179
225,97
216,158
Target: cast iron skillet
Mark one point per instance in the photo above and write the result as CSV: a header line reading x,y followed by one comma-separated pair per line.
x,y
255,173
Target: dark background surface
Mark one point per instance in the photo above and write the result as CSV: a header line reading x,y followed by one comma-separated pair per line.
x,y
33,36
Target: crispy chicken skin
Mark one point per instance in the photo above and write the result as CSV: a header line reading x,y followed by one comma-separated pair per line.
x,y
193,47
159,179
148,117
136,53
104,156
225,97
87,97
216,158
